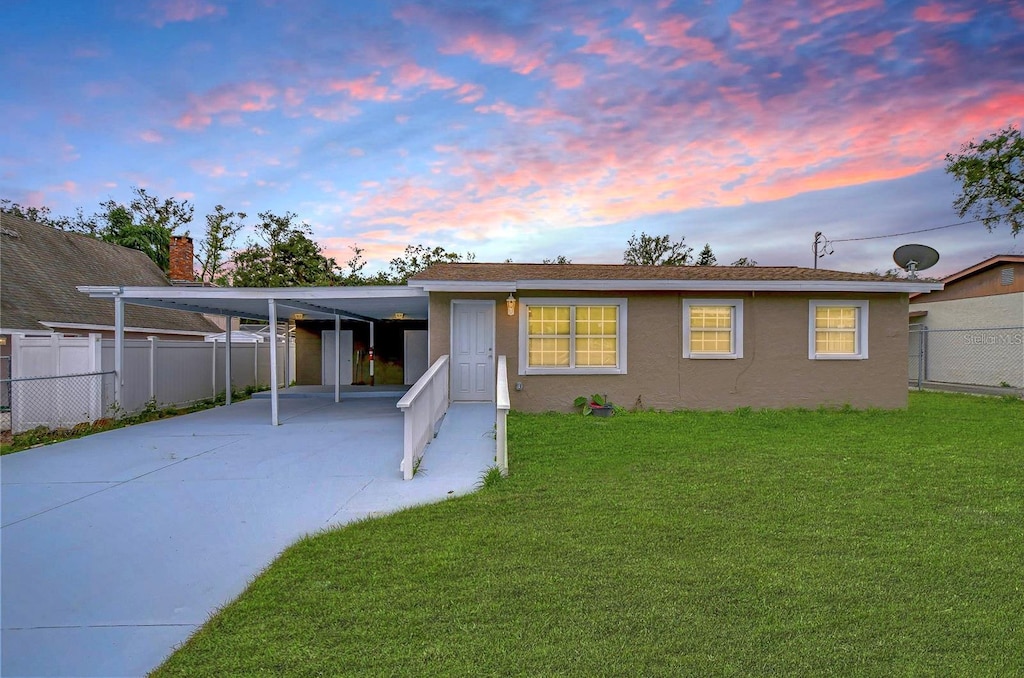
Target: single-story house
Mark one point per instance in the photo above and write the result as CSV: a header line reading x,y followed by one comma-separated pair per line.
x,y
703,337
972,331
707,337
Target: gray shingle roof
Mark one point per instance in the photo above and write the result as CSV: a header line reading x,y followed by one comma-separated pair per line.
x,y
41,266
482,272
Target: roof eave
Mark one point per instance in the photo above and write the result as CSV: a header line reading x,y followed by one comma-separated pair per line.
x,y
902,286
300,293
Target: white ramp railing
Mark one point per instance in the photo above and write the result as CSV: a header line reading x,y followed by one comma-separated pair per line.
x,y
502,406
424,405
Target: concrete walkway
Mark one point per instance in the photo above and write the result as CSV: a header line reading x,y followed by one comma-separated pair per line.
x,y
117,546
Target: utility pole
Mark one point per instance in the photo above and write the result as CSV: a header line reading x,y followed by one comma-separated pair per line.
x,y
821,247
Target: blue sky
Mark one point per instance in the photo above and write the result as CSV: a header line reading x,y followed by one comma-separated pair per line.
x,y
521,130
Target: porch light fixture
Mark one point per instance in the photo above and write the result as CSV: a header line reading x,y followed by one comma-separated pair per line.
x,y
510,304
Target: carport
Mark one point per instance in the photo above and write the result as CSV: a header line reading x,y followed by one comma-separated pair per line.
x,y
270,304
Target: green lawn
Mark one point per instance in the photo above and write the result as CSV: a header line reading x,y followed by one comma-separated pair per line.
x,y
690,543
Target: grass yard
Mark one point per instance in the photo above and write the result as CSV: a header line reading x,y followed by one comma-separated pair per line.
x,y
689,543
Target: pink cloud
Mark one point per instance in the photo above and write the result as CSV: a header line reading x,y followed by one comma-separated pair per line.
x,y
362,89
215,170
936,13
151,136
469,93
597,172
227,102
865,45
69,187
526,116
411,75
673,31
567,76
496,49
773,27
334,112
173,11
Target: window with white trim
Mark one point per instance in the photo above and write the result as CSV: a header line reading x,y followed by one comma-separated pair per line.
x,y
713,328
572,336
838,330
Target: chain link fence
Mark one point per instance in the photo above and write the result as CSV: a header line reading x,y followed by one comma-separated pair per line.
x,y
55,402
991,356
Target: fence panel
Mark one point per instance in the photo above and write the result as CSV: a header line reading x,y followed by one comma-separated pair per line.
x,y
976,356
183,371
171,372
135,386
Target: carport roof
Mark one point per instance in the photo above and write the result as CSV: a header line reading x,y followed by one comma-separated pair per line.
x,y
362,303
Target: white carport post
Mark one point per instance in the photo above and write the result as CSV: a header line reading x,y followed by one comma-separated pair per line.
x,y
272,306
118,349
337,358
227,358
373,357
287,352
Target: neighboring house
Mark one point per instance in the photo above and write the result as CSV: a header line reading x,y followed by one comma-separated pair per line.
x,y
974,326
41,268
671,337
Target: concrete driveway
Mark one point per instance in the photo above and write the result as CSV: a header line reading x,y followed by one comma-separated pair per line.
x,y
117,546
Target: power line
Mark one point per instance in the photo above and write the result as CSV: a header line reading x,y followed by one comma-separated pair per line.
x,y
895,235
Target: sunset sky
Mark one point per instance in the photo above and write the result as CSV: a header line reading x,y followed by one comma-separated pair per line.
x,y
522,130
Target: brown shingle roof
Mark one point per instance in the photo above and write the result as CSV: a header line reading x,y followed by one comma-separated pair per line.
x,y
480,272
41,266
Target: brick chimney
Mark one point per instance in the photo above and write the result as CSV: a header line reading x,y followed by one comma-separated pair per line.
x,y
181,259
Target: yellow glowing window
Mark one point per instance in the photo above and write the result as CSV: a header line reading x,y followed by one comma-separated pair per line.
x,y
835,330
572,336
711,329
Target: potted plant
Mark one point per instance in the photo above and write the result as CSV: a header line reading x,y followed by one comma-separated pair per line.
x,y
595,404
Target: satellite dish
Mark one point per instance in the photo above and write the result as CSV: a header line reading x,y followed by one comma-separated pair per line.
x,y
914,258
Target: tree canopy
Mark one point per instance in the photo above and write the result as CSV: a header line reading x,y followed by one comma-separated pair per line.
x,y
283,255
656,250
991,176
706,256
145,224
213,248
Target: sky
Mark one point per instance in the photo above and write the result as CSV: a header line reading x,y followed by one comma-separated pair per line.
x,y
522,130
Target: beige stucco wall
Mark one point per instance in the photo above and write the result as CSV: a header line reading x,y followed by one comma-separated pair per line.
x,y
774,372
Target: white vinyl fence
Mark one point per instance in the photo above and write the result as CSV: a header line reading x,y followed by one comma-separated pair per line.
x,y
59,381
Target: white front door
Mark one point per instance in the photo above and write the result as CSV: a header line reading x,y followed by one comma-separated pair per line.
x,y
472,358
327,367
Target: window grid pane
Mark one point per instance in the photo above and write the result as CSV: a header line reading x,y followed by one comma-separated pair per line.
x,y
711,329
590,331
835,329
596,343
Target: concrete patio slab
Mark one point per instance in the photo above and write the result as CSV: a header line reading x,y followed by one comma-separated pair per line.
x,y
116,547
